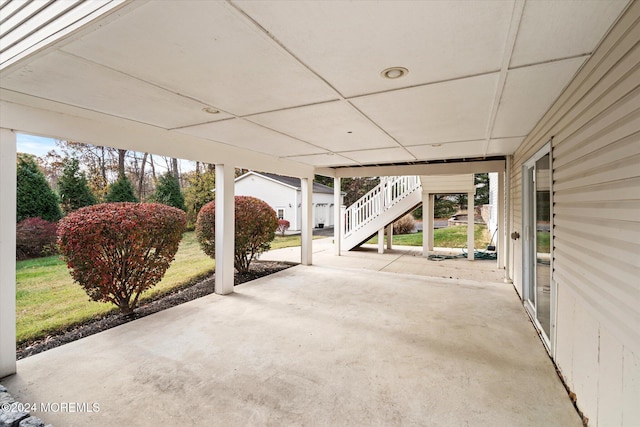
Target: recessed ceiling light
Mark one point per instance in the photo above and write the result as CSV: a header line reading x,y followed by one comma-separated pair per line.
x,y
394,72
211,110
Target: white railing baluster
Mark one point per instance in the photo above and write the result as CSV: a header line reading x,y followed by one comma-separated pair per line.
x,y
381,198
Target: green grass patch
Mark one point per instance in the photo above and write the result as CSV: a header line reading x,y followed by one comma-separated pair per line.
x,y
289,241
48,300
543,241
450,237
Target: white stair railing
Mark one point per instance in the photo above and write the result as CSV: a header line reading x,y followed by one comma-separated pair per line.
x,y
380,199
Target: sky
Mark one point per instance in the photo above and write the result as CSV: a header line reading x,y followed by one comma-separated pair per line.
x,y
40,146
36,145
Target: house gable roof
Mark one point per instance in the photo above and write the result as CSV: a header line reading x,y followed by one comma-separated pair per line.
x,y
289,181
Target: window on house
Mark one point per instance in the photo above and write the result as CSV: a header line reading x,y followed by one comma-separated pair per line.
x,y
280,213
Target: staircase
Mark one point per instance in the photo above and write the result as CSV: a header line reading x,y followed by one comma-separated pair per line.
x,y
391,199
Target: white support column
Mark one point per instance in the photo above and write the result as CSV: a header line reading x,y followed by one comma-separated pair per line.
x,y
426,231
7,252
225,228
381,241
470,226
430,219
500,221
337,216
390,236
306,186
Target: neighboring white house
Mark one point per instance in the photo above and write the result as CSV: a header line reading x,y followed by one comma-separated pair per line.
x,y
283,194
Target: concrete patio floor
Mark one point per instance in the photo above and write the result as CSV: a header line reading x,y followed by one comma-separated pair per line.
x,y
400,259
319,345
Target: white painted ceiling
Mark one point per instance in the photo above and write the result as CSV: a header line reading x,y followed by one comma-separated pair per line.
x,y
301,79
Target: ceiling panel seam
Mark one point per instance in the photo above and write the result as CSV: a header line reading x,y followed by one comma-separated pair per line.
x,y
311,70
419,85
234,116
514,27
550,61
285,134
283,47
66,104
457,141
277,110
380,128
147,82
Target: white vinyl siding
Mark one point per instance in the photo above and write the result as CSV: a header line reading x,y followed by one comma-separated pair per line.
x,y
595,131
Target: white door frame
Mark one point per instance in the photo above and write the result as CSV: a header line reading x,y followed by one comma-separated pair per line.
x,y
529,246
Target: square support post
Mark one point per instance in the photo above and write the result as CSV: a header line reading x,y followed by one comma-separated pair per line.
x,y
425,229
381,241
225,228
428,201
500,220
337,216
471,215
390,236
306,251
7,252
430,219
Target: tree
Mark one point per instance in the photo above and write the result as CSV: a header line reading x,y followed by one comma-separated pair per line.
x,y
482,189
34,196
121,161
481,181
116,251
72,187
325,180
100,163
255,222
444,207
168,192
141,176
121,191
355,188
199,192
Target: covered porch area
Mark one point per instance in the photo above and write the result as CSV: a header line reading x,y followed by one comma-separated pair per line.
x,y
329,344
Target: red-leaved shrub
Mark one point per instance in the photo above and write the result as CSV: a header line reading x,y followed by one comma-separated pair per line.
x,y
115,251
35,238
256,224
283,226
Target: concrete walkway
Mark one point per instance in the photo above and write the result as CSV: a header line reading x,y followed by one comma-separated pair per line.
x,y
319,345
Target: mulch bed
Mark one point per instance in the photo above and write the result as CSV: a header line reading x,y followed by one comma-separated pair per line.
x,y
197,288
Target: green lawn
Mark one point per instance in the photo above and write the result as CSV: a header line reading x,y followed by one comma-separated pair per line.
x,y
287,241
450,237
48,300
543,239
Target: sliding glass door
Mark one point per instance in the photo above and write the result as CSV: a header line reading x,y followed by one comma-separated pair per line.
x,y
537,241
